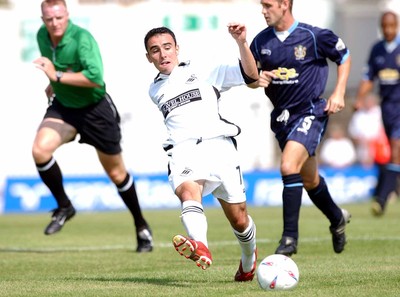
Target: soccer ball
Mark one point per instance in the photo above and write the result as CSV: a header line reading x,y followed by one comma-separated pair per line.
x,y
277,272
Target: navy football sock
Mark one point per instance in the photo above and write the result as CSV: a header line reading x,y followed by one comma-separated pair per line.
x,y
388,183
291,196
322,199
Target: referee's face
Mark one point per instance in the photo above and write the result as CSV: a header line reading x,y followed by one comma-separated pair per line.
x,y
162,52
55,16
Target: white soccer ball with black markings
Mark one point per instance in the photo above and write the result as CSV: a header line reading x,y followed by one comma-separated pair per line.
x,y
277,272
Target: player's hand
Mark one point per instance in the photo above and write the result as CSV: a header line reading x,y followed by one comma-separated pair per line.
x,y
334,104
265,78
49,92
47,67
358,104
238,31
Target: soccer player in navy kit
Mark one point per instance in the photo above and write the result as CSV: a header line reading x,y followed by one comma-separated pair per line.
x,y
384,66
201,146
293,59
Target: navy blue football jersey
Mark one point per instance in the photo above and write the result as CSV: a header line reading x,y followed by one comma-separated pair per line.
x,y
299,62
384,64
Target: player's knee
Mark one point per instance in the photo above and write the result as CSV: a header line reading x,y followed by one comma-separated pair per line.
x,y
288,168
188,191
240,222
40,152
116,175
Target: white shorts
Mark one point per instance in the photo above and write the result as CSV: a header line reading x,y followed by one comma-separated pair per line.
x,y
214,160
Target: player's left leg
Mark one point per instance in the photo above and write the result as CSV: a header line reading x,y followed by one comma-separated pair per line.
x,y
115,169
244,229
231,195
319,194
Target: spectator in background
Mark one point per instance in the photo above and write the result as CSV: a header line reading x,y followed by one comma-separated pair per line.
x,y
367,132
337,150
383,65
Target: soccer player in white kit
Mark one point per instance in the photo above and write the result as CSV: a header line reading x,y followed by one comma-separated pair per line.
x,y
201,147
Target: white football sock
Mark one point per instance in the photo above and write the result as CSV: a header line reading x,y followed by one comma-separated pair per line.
x,y
247,241
194,221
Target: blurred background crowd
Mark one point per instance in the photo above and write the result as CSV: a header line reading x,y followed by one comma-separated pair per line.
x,y
353,137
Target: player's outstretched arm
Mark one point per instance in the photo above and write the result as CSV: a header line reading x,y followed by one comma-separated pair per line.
x,y
239,33
365,87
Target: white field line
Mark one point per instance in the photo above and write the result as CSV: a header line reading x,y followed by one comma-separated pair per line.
x,y
169,245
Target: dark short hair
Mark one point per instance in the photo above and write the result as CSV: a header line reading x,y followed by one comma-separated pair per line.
x,y
157,31
389,12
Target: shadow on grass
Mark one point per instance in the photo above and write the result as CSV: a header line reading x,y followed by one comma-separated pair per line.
x,y
159,281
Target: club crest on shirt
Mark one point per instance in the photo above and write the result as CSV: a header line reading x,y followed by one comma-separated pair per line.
x,y
300,52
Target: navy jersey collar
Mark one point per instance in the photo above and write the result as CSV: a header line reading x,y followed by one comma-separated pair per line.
x,y
292,27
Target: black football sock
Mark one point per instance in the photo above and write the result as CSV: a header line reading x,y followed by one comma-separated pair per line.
x,y
322,199
291,196
51,176
128,194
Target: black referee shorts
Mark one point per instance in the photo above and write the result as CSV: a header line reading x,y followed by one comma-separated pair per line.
x,y
98,125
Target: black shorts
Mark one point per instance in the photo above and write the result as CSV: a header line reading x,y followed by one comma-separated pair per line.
x,y
98,124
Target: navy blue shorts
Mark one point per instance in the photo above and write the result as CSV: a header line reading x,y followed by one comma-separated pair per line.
x,y
391,119
98,124
307,127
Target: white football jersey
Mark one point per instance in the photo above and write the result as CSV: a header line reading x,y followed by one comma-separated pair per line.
x,y
188,99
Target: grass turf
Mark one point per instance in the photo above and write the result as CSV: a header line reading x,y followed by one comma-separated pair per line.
x,y
94,255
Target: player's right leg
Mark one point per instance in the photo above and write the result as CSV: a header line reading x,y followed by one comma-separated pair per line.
x,y
52,133
193,250
194,246
388,184
291,200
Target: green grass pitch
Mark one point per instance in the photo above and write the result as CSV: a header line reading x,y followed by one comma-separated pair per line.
x,y
94,256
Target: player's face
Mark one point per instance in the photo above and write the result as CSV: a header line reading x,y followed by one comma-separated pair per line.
x,y
389,27
55,18
273,11
162,52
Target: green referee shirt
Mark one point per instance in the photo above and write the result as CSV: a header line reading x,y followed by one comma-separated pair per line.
x,y
77,52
